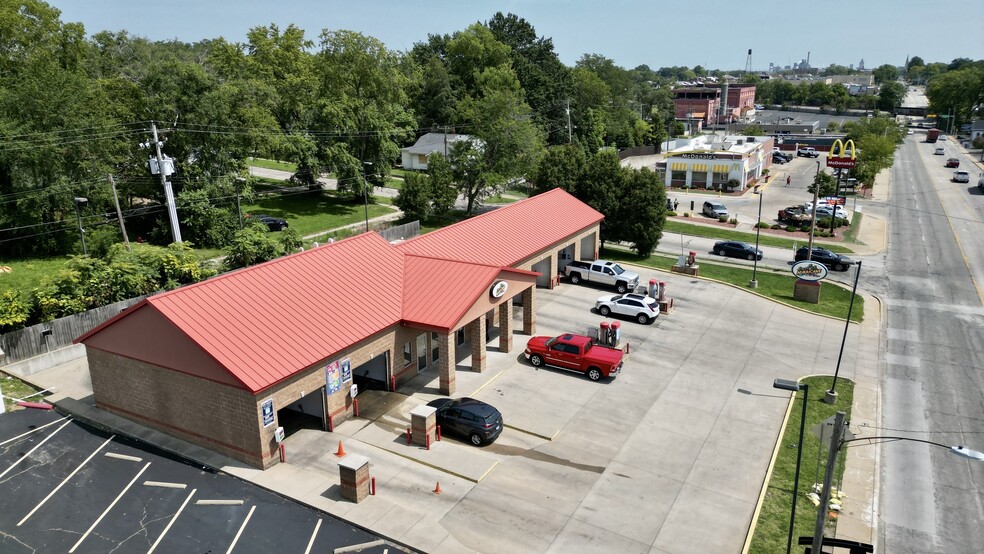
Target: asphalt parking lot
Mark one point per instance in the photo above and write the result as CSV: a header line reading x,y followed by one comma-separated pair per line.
x,y
67,487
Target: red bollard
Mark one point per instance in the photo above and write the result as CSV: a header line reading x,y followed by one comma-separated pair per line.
x,y
355,407
626,347
372,486
331,425
283,453
409,436
438,432
393,383
427,441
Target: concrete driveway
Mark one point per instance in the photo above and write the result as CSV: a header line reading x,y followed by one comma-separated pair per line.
x,y
669,457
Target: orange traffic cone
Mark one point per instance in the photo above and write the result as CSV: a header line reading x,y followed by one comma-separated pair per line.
x,y
437,489
341,450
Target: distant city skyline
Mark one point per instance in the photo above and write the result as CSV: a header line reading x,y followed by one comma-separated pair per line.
x,y
714,34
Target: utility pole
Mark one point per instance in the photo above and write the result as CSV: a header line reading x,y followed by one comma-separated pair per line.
x,y
239,210
164,170
119,214
570,134
828,478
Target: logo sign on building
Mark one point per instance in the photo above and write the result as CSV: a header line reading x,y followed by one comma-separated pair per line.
x,y
843,155
809,270
698,156
346,366
333,377
836,200
499,289
267,409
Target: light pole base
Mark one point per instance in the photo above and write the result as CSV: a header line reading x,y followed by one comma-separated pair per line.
x,y
753,284
830,397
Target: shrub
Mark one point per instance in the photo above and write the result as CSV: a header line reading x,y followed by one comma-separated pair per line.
x,y
670,213
776,226
686,214
763,225
733,221
792,228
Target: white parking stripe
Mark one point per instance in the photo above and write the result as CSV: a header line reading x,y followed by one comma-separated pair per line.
x,y
241,528
65,480
313,536
123,457
32,431
165,485
24,457
110,507
173,519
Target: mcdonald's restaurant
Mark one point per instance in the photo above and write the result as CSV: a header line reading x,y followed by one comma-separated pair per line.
x,y
711,162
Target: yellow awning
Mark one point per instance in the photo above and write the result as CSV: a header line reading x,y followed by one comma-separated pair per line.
x,y
678,167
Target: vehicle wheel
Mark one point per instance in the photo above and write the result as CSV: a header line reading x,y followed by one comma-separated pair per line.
x,y
622,288
594,374
536,360
751,257
476,439
575,278
840,267
722,253
643,318
604,310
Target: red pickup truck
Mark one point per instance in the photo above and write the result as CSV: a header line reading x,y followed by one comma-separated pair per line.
x,y
575,353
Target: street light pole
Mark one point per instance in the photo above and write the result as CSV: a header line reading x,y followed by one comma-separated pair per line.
x,y
813,212
758,230
786,384
78,202
365,191
831,396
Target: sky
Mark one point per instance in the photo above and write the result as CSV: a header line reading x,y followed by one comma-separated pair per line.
x,y
715,34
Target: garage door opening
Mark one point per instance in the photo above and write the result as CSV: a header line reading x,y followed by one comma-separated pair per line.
x,y
373,375
306,413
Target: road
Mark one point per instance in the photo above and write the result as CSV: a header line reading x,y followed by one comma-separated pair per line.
x,y
933,387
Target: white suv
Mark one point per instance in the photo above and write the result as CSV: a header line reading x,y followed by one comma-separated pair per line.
x,y
961,177
639,307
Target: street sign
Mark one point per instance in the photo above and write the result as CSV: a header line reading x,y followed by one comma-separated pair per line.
x,y
825,429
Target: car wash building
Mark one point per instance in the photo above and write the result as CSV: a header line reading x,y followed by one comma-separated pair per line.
x,y
224,362
711,162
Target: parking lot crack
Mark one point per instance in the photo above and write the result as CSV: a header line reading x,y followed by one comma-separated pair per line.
x,y
18,541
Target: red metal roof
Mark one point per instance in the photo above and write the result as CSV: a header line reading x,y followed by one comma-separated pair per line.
x,y
267,322
507,235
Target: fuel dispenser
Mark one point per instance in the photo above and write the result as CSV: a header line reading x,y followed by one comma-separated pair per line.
x,y
604,333
665,302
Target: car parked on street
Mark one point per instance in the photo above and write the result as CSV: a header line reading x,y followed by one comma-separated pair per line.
x,y
961,176
737,249
780,154
467,417
953,162
834,261
714,209
939,152
272,223
639,307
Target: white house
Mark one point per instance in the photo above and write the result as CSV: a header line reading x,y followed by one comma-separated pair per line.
x,y
415,157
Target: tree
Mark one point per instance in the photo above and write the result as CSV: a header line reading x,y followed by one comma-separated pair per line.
x,y
827,183
959,93
562,167
890,96
754,130
601,184
886,73
641,211
252,245
414,196
442,192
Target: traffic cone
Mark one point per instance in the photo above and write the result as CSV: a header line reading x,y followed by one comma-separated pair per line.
x,y
437,489
341,450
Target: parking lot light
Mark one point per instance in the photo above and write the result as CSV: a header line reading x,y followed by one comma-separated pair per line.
x,y
786,384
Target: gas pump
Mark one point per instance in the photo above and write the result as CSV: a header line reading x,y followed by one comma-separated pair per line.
x,y
654,288
616,333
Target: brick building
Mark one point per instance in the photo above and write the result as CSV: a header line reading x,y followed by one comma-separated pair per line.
x,y
222,362
693,104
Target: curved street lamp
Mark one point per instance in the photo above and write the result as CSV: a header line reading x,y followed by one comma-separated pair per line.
x,y
786,384
80,201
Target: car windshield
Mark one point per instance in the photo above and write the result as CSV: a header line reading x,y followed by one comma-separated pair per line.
x,y
617,269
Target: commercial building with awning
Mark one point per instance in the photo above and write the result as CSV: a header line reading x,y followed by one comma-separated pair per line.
x,y
711,162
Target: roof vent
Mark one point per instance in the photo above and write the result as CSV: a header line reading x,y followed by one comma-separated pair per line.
x,y
741,141
750,139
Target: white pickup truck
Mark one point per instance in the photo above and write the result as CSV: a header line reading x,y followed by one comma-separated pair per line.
x,y
808,152
602,272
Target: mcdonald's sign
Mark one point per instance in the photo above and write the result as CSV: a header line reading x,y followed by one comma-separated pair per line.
x,y
839,157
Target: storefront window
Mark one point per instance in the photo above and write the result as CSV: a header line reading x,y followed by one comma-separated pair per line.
x,y
720,180
407,353
678,179
435,348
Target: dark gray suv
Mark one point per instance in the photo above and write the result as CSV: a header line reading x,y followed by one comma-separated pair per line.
x,y
468,417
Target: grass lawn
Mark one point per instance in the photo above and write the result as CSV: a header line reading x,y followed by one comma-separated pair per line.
x,y
313,211
772,283
24,275
273,164
765,239
772,527
12,387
